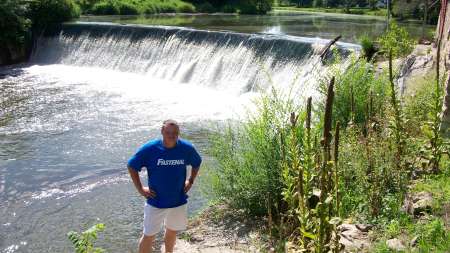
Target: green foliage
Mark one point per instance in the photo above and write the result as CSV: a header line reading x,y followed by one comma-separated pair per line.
x,y
397,41
433,236
430,235
353,87
368,47
18,17
415,9
84,242
48,12
106,8
13,23
249,156
130,7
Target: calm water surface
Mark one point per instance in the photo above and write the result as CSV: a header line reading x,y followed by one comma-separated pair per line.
x,y
305,24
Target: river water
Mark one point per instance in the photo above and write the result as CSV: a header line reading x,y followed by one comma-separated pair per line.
x,y
93,93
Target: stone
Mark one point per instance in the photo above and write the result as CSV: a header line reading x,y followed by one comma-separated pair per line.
x,y
395,244
354,237
418,203
364,227
413,241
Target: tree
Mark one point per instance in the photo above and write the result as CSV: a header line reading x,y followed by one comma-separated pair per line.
x,y
47,12
14,30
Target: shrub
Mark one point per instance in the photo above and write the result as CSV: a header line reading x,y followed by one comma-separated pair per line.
x,y
249,172
397,41
84,242
368,47
353,87
106,8
128,9
186,8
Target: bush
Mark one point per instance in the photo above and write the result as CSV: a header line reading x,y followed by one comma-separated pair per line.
x,y
128,9
249,156
353,88
397,41
84,242
47,12
254,6
106,8
186,8
368,47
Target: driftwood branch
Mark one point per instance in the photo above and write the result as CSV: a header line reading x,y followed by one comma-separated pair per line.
x,y
327,47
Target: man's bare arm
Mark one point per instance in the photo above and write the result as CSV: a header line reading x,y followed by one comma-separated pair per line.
x,y
188,184
144,191
194,173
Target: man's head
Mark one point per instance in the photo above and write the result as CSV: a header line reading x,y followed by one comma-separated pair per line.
x,y
170,130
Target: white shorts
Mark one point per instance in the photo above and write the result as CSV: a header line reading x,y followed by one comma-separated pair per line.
x,y
173,218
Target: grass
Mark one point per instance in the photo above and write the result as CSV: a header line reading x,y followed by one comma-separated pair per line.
x,y
355,11
432,232
439,186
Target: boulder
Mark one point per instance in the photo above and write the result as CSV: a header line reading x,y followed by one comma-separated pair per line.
x,y
418,203
395,244
354,237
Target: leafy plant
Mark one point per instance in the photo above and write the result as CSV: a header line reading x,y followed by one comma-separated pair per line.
x,y
396,41
368,47
84,242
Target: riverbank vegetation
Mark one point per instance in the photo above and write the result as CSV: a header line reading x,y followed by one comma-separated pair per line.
x,y
136,7
424,10
355,156
351,10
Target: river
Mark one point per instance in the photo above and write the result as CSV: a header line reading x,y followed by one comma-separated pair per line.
x,y
93,92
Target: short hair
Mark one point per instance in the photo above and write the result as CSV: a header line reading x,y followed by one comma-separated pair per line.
x,y
170,122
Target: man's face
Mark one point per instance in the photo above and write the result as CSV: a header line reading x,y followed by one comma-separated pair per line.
x,y
170,134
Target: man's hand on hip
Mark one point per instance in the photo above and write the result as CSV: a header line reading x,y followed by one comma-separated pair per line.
x,y
187,185
147,192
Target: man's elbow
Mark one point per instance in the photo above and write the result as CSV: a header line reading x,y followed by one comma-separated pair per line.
x,y
132,171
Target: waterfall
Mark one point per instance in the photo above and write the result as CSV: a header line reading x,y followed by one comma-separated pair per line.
x,y
222,60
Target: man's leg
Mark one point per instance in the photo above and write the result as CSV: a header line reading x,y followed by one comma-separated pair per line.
x,y
146,243
153,219
170,238
176,220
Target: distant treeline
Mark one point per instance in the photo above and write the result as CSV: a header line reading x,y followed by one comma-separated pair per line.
x,y
135,7
401,9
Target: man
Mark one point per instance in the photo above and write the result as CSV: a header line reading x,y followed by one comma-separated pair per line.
x,y
166,160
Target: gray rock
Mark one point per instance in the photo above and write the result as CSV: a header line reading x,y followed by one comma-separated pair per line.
x,y
354,237
418,203
395,244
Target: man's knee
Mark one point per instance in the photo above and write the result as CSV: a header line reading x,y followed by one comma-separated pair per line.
x,y
171,231
148,238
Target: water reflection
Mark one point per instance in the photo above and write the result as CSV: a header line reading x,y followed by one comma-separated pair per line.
x,y
323,25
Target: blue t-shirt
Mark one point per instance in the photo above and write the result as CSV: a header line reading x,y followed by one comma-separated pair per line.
x,y
166,169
